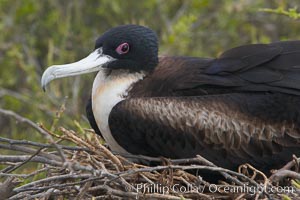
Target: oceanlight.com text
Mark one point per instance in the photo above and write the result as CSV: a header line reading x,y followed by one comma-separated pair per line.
x,y
212,188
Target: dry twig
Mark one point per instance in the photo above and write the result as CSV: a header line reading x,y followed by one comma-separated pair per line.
x,y
93,171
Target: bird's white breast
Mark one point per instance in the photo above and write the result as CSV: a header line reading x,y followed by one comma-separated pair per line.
x,y
108,90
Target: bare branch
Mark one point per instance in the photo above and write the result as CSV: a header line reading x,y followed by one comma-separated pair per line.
x,y
6,188
36,144
21,119
24,162
28,150
281,174
22,158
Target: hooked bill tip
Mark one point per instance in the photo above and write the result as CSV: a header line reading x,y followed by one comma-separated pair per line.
x,y
43,85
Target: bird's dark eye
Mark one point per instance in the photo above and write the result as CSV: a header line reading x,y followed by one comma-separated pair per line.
x,y
122,48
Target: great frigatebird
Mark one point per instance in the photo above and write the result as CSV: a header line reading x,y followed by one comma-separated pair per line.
x,y
243,106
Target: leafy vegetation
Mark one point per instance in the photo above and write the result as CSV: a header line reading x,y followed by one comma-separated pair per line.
x,y
291,12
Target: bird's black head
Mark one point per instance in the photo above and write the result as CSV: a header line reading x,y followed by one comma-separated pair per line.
x,y
133,47
129,47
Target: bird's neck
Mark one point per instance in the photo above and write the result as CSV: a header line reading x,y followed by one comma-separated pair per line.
x,y
109,88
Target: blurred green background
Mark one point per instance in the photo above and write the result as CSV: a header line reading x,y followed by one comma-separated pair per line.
x,y
36,34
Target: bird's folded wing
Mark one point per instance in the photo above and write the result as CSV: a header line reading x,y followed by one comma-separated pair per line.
x,y
220,127
244,57
259,67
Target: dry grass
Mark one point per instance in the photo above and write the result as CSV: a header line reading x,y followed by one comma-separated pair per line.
x,y
88,170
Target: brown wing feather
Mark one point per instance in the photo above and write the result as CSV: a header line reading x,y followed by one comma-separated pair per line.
x,y
255,68
229,130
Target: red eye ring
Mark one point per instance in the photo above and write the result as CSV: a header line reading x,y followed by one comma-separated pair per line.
x,y
122,48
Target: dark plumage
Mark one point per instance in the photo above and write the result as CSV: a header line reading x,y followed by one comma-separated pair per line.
x,y
91,118
228,129
241,107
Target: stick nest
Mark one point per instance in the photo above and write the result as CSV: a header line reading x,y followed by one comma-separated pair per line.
x,y
86,169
